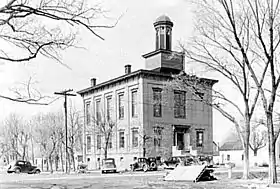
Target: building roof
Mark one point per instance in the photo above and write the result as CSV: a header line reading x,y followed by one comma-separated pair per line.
x,y
156,72
163,18
231,145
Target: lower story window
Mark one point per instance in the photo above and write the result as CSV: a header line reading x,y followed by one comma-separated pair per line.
x,y
199,138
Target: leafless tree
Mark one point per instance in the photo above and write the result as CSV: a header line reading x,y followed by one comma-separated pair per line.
x,y
258,138
74,133
243,36
17,135
29,28
47,135
45,27
103,125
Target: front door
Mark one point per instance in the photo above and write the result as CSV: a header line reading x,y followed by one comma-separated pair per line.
x,y
180,141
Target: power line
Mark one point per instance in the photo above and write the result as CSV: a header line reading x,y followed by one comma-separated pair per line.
x,y
65,93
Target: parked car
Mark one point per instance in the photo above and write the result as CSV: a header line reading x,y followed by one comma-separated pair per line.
x,y
144,164
108,165
21,166
174,161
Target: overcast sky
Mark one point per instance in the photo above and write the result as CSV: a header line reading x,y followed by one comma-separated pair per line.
x,y
125,44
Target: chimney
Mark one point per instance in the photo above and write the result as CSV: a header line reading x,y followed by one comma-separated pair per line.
x,y
127,69
93,82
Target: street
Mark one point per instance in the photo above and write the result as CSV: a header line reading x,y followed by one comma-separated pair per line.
x,y
97,181
92,180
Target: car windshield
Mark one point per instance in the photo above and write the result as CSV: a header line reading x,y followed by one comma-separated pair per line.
x,y
108,161
12,163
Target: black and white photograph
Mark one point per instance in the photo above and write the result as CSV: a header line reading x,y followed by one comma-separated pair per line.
x,y
126,94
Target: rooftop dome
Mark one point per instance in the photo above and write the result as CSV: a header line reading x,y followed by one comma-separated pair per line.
x,y
163,19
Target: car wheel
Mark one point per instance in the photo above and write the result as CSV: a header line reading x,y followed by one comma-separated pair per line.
x,y
153,165
131,168
17,171
145,168
37,171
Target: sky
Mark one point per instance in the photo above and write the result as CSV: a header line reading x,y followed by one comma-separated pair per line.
x,y
124,44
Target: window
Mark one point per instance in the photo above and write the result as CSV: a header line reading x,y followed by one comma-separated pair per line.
x,y
157,102
228,157
110,144
168,41
135,135
98,111
109,108
121,139
88,144
98,141
179,104
134,103
199,138
121,106
87,113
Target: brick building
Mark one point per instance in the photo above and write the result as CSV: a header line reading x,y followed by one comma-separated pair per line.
x,y
150,120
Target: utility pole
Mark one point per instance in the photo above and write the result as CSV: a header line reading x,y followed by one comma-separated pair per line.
x,y
65,93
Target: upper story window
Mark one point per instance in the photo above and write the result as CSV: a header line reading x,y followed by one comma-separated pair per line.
x,y
134,103
199,138
98,111
109,108
157,102
88,144
98,141
121,106
179,104
88,115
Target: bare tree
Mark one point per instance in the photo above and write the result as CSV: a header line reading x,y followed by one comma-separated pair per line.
x,y
258,138
74,133
29,28
44,27
17,135
242,34
103,125
47,136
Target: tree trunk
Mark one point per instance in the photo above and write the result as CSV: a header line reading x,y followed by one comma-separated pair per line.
x,y
144,152
246,147
73,159
23,153
246,162
47,164
56,161
32,151
105,153
51,164
61,158
271,149
42,163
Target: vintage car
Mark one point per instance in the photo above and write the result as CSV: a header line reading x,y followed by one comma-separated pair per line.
x,y
21,166
108,165
174,161
144,164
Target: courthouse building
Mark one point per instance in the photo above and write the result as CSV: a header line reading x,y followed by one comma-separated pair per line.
x,y
149,120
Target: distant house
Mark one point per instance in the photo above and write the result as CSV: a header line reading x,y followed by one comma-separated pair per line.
x,y
232,151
